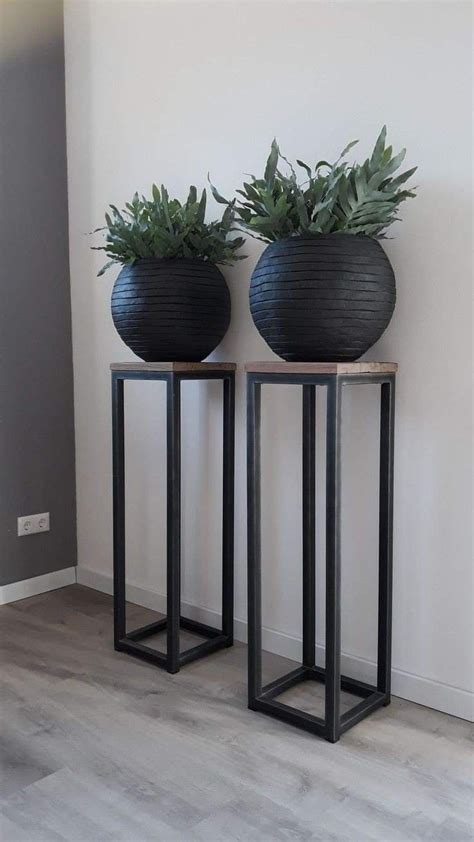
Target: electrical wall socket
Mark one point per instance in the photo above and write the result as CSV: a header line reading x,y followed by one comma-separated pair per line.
x,y
28,524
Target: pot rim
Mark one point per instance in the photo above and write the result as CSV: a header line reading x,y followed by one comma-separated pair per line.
x,y
333,235
141,260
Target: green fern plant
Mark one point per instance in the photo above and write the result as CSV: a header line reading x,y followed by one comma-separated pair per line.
x,y
163,227
333,198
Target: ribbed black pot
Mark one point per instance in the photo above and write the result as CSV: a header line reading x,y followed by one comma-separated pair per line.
x,y
171,310
321,298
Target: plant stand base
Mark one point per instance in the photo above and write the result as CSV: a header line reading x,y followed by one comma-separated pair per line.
x,y
132,645
267,701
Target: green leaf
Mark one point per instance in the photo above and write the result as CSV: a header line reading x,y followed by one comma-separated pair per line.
x,y
345,196
202,207
284,178
304,166
302,212
250,192
400,179
164,199
271,166
360,183
107,266
192,196
394,163
217,196
347,149
379,147
386,157
116,213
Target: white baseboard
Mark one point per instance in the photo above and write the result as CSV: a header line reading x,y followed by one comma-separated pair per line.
x,y
37,585
414,688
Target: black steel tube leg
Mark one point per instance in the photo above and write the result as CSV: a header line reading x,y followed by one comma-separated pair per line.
x,y
333,561
384,661
228,510
118,508
173,577
309,526
254,541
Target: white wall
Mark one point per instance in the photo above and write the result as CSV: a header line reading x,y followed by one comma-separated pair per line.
x,y
165,91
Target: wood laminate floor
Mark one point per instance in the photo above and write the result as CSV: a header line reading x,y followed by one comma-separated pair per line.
x,y
99,746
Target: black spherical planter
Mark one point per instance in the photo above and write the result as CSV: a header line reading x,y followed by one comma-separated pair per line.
x,y
321,298
171,310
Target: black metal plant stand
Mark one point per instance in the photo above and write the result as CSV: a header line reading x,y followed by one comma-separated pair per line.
x,y
264,698
173,374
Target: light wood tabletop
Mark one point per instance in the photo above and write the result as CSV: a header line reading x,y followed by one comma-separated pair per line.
x,y
282,367
172,366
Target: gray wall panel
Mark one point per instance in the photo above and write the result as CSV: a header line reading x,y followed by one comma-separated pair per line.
x,y
36,385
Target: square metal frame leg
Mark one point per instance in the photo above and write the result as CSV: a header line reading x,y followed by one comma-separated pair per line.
x,y
254,576
333,561
264,698
228,484
387,428
309,526
173,521
130,642
118,457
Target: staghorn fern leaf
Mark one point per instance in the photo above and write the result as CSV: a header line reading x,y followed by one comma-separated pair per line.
x,y
334,198
163,227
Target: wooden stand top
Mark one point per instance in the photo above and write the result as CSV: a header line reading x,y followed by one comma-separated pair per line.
x,y
282,367
172,366
268,367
